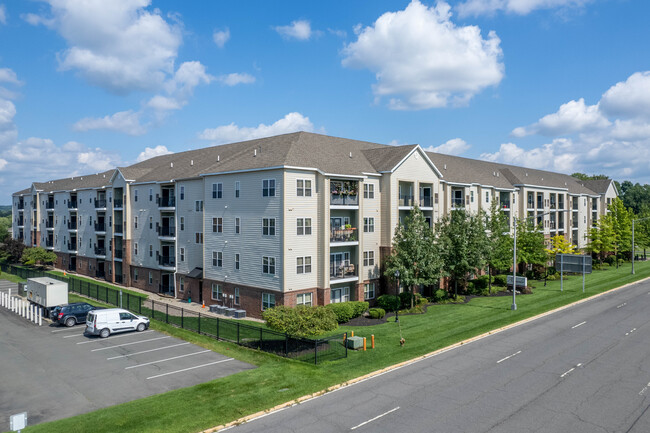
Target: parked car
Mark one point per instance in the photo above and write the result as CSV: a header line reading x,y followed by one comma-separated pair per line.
x,y
71,314
112,320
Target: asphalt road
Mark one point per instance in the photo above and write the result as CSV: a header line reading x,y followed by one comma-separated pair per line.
x,y
584,369
54,372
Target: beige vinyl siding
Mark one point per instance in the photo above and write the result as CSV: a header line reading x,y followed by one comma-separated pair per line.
x,y
370,241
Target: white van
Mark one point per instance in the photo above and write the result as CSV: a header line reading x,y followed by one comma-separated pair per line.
x,y
112,320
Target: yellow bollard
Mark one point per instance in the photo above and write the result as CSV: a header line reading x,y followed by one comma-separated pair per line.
x,y
345,336
352,334
372,341
364,344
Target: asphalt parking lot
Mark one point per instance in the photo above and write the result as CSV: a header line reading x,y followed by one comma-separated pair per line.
x,y
54,372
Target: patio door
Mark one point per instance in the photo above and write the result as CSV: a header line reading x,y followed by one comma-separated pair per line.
x,y
341,294
338,261
425,196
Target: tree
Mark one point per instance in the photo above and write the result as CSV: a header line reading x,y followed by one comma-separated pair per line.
x,y
560,245
530,244
5,228
499,253
12,250
38,255
621,221
415,253
642,229
463,244
583,176
601,238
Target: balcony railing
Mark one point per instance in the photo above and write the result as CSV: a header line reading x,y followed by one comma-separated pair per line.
x,y
343,235
72,267
100,251
531,204
21,222
72,225
49,224
166,201
426,201
49,243
117,253
72,246
167,231
21,206
406,200
100,227
72,204
339,271
168,261
117,228
100,203
117,203
100,274
540,204
49,204
344,199
457,203
553,204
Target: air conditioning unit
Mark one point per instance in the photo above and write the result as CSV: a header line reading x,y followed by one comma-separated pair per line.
x,y
240,314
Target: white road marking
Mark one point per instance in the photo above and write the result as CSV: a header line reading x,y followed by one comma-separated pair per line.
x,y
569,371
190,368
579,324
645,388
72,336
374,419
631,331
508,357
146,351
622,305
114,337
129,344
164,360
65,329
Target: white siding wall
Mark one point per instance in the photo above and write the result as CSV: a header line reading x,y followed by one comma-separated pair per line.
x,y
371,241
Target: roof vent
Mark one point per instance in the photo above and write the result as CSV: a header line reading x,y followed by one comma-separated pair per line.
x,y
494,173
497,174
255,152
171,164
350,154
218,158
526,174
444,167
191,162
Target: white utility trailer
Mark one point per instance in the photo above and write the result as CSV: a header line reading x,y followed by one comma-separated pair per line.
x,y
46,292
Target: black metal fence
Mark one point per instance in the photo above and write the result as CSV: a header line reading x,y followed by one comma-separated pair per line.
x,y
255,337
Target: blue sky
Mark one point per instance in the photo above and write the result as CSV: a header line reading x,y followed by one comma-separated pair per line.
x,y
561,85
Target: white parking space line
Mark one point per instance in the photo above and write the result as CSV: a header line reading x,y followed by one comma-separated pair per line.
x,y
131,343
168,359
622,305
570,370
631,331
191,368
147,351
114,337
72,336
579,324
65,329
374,419
508,357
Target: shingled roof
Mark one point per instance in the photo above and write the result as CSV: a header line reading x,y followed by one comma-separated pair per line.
x,y
597,185
97,180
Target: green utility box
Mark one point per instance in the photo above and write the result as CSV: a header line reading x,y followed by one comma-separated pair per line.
x,y
354,343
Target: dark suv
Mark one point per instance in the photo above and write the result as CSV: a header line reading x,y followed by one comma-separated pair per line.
x,y
71,314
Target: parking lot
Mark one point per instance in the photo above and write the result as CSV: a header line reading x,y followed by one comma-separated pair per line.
x,y
54,372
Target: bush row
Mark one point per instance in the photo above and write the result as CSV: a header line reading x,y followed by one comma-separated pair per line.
x,y
346,311
301,321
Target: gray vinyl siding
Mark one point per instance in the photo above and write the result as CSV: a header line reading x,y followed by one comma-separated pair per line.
x,y
143,235
193,223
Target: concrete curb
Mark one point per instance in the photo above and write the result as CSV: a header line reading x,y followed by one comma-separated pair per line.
x,y
402,364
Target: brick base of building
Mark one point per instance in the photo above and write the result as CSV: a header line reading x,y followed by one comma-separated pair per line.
x,y
250,298
143,282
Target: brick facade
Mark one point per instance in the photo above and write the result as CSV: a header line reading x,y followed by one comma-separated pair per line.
x,y
143,281
250,298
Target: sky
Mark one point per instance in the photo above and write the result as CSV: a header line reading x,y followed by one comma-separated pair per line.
x,y
88,85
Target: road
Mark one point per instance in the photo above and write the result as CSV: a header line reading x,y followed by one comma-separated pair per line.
x,y
584,369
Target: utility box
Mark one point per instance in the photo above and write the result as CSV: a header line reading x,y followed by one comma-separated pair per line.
x,y
240,314
47,292
354,343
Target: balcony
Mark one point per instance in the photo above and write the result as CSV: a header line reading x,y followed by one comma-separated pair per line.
x,y
166,288
49,204
343,272
49,243
344,235
117,203
406,201
100,251
167,231
166,202
344,200
167,261
575,224
344,193
504,204
553,206
72,246
49,224
540,204
72,204
457,203
118,253
21,205
100,274
21,222
72,225
530,204
100,203
100,227
117,229
426,201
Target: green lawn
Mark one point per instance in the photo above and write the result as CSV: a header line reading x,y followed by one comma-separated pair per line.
x,y
277,380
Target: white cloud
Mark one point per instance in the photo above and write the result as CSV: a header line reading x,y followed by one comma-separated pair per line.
x,y
422,60
220,37
455,146
300,29
518,7
236,78
3,16
292,122
630,98
9,76
150,152
339,33
574,116
555,156
127,122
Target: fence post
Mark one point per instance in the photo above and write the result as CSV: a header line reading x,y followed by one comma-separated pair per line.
x,y
218,326
139,305
315,352
261,338
153,310
237,333
182,315
286,344
199,323
166,313
128,301
106,294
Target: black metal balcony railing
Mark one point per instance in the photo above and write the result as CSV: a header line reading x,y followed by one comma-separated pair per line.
x,y
166,231
457,203
406,200
72,204
49,204
166,201
343,235
117,228
117,253
100,251
100,227
117,203
49,224
21,237
100,203
343,270
344,199
49,243
553,206
540,204
426,201
21,222
72,225
72,246
21,206
119,279
575,204
531,204
167,261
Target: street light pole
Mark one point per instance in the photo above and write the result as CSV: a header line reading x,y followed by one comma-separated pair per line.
x,y
514,271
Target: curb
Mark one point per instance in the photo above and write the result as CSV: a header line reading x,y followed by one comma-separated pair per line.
x,y
402,364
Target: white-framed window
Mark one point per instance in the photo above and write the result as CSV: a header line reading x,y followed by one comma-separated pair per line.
x,y
471,196
135,274
135,222
217,190
90,220
150,278
217,291
368,258
135,249
237,261
340,295
487,196
198,205
237,188
198,237
150,222
303,226
182,254
268,300
182,223
217,259
303,265
150,194
268,188
368,224
237,225
181,284
135,195
268,226
217,225
150,250
303,187
304,299
369,291
268,265
236,295
182,193
368,190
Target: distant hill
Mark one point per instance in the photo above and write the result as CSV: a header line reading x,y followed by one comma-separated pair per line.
x,y
5,210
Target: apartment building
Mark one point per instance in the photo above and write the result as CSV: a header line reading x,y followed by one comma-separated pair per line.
x,y
296,219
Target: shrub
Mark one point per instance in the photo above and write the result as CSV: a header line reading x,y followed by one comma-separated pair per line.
x,y
501,280
343,311
611,260
360,307
482,282
439,295
300,321
405,299
388,302
376,313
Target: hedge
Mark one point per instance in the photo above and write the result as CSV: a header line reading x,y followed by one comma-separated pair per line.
x,y
389,302
345,311
301,321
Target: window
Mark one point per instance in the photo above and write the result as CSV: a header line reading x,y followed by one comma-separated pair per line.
x,y
182,254
368,258
198,205
135,274
268,265
217,291
135,248
237,186
236,295
135,222
217,190
182,193
150,250
90,220
237,261
487,196
268,226
368,225
303,265
150,194
237,225
369,291
303,226
217,225
150,278
182,223
217,259
368,190
181,284
268,301
268,188
471,196
340,295
303,187
304,299
150,222
199,237
135,195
